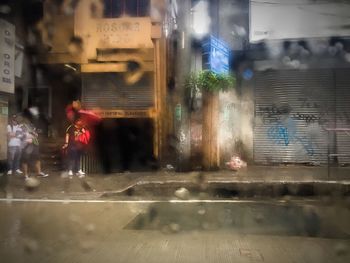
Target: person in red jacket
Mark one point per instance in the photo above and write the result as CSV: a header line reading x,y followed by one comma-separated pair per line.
x,y
77,137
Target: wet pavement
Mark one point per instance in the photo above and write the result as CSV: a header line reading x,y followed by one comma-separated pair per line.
x,y
272,181
157,231
178,217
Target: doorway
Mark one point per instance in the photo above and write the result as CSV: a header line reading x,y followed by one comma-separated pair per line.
x,y
125,145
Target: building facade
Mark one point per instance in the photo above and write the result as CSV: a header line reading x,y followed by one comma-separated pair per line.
x,y
301,82
117,51
292,79
128,61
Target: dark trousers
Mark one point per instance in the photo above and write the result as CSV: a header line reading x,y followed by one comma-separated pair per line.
x,y
74,154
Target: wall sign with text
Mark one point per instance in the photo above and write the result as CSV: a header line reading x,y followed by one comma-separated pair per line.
x,y
115,114
216,55
121,33
7,57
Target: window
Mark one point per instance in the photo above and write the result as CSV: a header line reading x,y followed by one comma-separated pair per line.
x,y
118,8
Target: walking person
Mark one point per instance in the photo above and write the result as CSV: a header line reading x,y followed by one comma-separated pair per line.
x,y
77,137
30,152
15,136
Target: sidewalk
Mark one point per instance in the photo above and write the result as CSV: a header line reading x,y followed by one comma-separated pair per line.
x,y
264,180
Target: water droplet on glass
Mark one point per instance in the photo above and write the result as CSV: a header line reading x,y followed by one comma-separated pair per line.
x,y
341,249
32,183
332,50
286,60
259,218
175,228
87,245
30,245
5,9
182,193
201,211
347,57
90,228
339,46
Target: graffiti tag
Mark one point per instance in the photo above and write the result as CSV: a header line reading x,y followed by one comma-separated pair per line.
x,y
274,113
308,118
305,103
279,134
285,134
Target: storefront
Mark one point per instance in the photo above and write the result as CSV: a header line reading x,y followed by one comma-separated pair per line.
x,y
120,56
128,132
293,109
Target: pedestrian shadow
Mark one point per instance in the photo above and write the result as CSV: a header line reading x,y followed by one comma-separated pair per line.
x,y
69,182
4,180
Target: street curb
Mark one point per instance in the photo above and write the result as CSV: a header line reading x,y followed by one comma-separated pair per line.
x,y
228,189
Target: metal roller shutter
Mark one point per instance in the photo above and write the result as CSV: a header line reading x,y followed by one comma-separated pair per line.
x,y
109,91
292,108
342,78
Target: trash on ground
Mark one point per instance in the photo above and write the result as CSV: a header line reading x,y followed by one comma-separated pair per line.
x,y
236,163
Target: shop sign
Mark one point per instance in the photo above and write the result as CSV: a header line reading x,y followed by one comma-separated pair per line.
x,y
150,113
122,33
216,55
7,57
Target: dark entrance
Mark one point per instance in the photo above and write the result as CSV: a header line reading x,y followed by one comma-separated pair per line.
x,y
125,145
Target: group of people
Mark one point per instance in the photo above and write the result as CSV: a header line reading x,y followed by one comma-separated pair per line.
x,y
23,143
23,147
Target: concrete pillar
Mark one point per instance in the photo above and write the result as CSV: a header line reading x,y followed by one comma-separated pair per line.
x,y
210,140
183,68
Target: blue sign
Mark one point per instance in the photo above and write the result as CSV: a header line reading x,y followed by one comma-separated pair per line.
x,y
216,55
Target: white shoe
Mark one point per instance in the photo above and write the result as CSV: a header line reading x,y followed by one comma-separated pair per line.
x,y
42,174
80,175
9,172
70,174
19,171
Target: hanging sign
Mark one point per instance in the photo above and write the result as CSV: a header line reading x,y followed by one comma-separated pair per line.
x,y
216,55
7,57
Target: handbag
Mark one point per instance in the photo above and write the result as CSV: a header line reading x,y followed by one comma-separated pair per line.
x,y
84,137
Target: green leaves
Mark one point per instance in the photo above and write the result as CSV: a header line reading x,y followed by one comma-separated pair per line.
x,y
209,81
